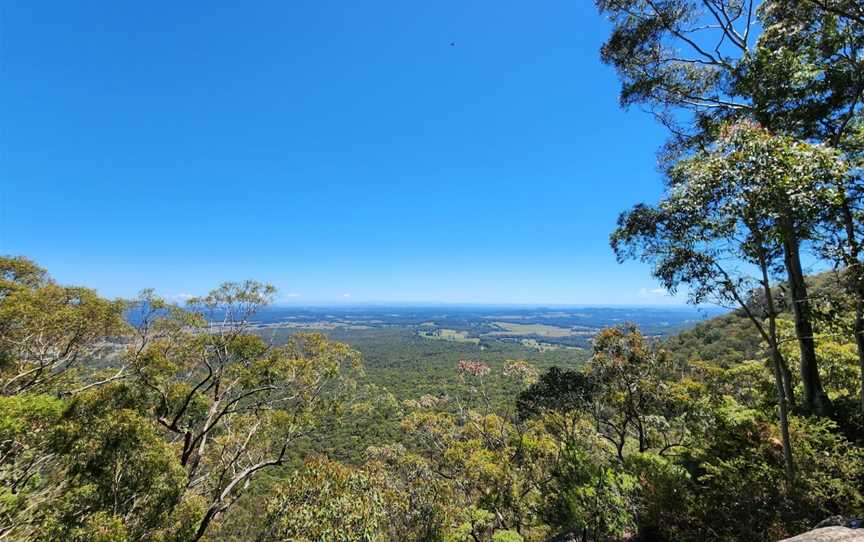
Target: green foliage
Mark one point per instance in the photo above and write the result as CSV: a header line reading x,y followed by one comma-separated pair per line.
x,y
738,490
789,64
26,423
235,404
790,68
123,478
557,390
48,330
591,494
507,536
17,273
328,502
190,431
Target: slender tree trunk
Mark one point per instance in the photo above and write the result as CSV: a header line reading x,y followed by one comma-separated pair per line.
x,y
815,399
783,407
205,522
859,336
778,363
788,386
218,505
782,376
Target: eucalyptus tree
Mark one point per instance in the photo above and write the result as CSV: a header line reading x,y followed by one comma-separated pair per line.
x,y
808,80
721,228
840,240
17,272
47,330
232,404
688,250
76,457
794,66
631,399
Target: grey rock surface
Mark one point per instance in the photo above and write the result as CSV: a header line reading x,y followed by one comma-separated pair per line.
x,y
829,534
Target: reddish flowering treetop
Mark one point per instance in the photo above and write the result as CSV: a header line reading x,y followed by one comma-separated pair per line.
x,y
473,368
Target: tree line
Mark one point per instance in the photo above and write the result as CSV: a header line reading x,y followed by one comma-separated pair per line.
x,y
763,101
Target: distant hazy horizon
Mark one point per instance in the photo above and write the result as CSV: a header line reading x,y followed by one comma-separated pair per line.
x,y
503,305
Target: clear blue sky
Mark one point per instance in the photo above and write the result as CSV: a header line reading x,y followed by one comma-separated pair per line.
x,y
326,146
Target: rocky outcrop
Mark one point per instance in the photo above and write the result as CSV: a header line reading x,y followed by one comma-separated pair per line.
x,y
837,532
830,534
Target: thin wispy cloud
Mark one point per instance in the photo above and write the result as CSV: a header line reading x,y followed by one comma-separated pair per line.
x,y
645,292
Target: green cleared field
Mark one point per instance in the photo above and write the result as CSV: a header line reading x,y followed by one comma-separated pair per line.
x,y
542,330
449,335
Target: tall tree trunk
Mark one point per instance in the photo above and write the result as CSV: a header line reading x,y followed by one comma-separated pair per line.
x,y
783,408
782,375
815,400
859,339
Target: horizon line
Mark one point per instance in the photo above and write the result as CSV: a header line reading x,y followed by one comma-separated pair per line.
x,y
437,304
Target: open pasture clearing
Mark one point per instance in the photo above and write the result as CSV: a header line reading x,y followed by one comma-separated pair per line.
x,y
542,330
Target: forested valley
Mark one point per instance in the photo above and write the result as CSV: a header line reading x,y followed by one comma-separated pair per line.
x,y
144,419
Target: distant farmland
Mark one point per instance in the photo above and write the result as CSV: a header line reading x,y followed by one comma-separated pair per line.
x,y
540,330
